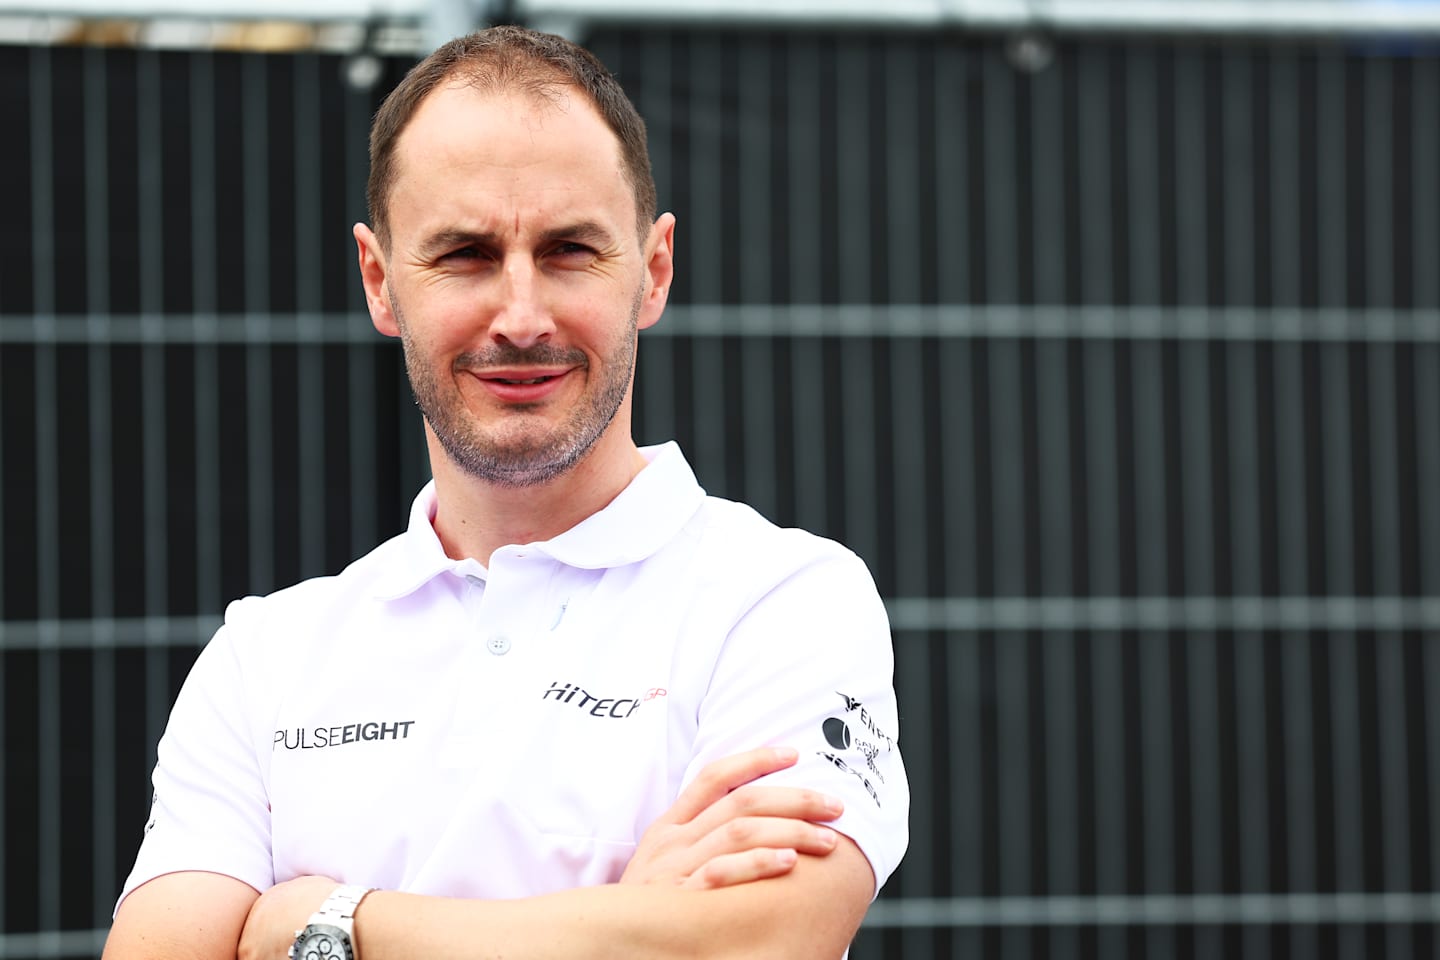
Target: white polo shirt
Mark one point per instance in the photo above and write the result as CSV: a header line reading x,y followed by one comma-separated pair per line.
x,y
424,724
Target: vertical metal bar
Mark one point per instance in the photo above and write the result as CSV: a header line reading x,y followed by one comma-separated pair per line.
x,y
958,472
1242,410
808,386
807,373
858,407
1384,496
102,532
1013,707
658,390
963,662
757,354
1427,469
1047,183
1112,818
1191,202
153,400
1142,167
1379,223
905,192
1093,156
1250,700
1424,185
1155,693
853,125
254,119
952,178
4,757
705,117
1157,789
1238,90
1349,832
310,365
912,675
854,130
1007,484
1053,469
757,398
908,464
913,658
360,357
1330,189
204,225
47,481
1290,496
1060,708
1202,668
707,150
908,419
1002,242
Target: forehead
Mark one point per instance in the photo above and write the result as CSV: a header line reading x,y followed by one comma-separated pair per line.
x,y
472,152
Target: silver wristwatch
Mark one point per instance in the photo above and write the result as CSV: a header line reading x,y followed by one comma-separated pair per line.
x,y
330,934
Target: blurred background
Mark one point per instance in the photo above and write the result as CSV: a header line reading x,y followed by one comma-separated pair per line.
x,y
1107,333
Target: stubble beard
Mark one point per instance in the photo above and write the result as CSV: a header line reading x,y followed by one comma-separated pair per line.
x,y
512,454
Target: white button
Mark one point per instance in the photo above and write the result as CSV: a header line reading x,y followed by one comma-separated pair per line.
x,y
498,645
478,581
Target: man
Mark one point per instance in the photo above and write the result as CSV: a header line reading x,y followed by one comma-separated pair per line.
x,y
578,708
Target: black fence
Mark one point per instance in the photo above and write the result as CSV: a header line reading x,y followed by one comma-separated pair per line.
x,y
1117,359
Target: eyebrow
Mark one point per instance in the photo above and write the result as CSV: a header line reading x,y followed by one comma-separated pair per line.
x,y
585,231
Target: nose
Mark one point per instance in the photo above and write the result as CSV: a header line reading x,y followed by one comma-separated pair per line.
x,y
521,317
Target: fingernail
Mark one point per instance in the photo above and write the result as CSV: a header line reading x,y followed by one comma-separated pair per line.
x,y
825,836
833,805
786,857
786,754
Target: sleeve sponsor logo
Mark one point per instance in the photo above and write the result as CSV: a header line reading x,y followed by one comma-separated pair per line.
x,y
604,707
867,738
318,738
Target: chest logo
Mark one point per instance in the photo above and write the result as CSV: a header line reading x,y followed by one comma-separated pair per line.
x,y
611,708
317,738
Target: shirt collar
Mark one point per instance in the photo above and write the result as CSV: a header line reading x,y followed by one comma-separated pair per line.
x,y
645,516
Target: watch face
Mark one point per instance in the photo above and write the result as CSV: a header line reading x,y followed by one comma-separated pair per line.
x,y
321,942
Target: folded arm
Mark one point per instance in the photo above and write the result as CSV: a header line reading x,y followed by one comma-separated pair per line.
x,y
724,872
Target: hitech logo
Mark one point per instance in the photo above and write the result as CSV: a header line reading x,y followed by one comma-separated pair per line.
x,y
604,707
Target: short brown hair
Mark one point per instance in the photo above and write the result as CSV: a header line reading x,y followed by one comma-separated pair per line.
x,y
510,58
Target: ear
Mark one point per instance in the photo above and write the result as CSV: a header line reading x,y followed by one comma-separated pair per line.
x,y
659,268
372,275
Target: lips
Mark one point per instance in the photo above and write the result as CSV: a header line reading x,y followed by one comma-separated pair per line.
x,y
526,382
522,386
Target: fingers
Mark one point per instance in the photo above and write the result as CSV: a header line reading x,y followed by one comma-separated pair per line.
x,y
736,868
722,776
791,803
764,833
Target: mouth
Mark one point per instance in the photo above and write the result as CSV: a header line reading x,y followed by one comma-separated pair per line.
x,y
510,381
522,386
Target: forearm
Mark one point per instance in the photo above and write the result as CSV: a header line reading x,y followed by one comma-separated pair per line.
x,y
811,913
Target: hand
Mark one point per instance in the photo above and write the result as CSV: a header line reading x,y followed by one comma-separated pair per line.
x,y
724,830
280,911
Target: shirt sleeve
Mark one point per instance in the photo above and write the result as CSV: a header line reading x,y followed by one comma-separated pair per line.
x,y
210,810
810,666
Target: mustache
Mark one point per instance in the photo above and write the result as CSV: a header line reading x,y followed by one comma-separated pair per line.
x,y
508,355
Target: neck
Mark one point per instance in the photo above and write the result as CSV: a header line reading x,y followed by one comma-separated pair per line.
x,y
474,517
